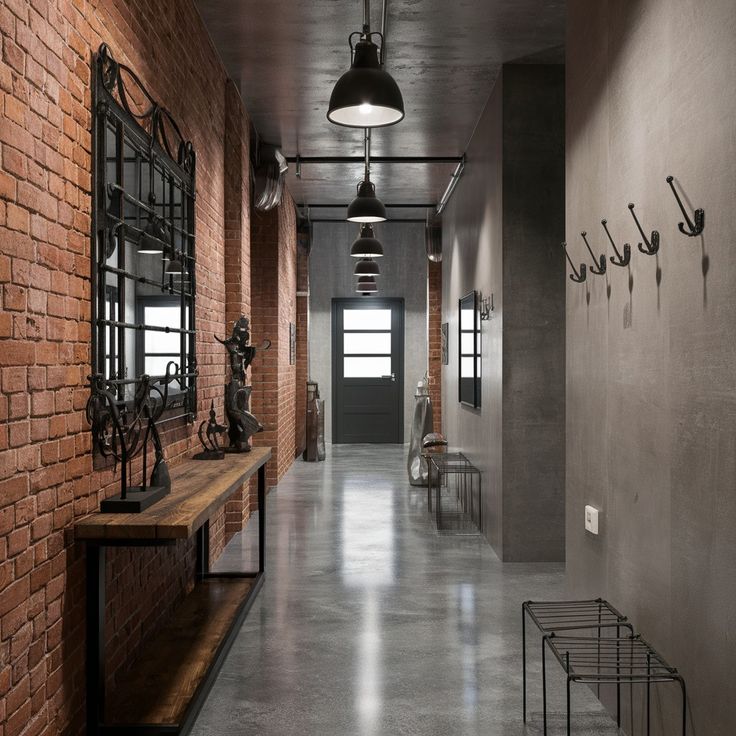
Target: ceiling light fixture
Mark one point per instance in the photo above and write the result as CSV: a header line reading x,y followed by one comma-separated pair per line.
x,y
175,266
366,207
366,244
366,96
366,267
366,289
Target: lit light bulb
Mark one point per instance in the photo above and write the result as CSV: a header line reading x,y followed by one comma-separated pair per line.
x,y
366,108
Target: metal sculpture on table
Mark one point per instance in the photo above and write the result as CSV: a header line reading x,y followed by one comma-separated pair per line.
x,y
421,426
208,433
241,423
122,430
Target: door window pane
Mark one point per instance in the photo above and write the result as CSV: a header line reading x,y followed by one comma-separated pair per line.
x,y
374,343
367,319
367,367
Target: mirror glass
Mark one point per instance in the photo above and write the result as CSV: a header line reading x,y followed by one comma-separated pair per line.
x,y
144,259
469,350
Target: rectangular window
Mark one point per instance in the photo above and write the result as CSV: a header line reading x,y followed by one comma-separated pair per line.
x,y
367,319
367,343
373,367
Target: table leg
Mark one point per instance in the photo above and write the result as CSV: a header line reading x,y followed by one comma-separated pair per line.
x,y
95,638
262,518
203,550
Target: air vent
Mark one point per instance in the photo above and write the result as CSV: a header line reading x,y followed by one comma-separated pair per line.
x,y
269,178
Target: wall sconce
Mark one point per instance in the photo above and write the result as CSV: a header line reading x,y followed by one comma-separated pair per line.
x,y
486,307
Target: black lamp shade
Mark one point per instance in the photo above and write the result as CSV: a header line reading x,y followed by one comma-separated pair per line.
x,y
366,267
366,245
367,288
366,96
175,266
366,207
363,280
153,237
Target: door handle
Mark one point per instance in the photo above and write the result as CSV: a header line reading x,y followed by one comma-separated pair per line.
x,y
392,376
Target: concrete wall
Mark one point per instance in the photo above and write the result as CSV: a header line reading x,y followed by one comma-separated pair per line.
x,y
651,400
403,274
501,236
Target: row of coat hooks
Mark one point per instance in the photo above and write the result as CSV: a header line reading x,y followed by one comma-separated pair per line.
x,y
649,245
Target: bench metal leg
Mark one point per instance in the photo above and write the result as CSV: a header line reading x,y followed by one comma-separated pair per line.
x,y
523,654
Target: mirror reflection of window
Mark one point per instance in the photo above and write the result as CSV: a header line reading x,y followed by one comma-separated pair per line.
x,y
469,343
144,217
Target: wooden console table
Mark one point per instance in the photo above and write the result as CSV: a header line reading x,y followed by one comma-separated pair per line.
x,y
178,667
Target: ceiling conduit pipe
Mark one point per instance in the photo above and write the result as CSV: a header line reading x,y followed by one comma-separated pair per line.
x,y
454,179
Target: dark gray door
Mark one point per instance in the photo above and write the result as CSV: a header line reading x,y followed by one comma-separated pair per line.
x,y
367,370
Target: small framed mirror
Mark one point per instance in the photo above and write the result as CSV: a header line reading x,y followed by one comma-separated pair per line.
x,y
469,350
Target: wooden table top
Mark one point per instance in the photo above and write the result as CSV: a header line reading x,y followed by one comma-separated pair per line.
x,y
198,489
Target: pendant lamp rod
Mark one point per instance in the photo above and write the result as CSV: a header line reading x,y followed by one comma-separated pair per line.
x,y
383,32
367,153
366,15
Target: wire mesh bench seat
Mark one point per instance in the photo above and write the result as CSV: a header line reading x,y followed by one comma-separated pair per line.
x,y
559,616
453,492
609,660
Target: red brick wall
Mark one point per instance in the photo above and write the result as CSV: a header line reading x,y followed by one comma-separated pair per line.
x,y
434,338
237,271
302,345
273,279
46,475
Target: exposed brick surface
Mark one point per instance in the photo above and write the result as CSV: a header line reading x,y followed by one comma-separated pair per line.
x,y
302,346
273,296
434,339
47,479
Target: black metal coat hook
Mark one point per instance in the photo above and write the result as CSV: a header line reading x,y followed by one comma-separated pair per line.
x,y
650,247
692,229
618,259
578,278
600,264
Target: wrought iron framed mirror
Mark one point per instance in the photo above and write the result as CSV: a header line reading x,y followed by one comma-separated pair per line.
x,y
469,354
143,247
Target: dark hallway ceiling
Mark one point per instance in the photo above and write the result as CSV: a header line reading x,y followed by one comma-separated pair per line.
x,y
286,55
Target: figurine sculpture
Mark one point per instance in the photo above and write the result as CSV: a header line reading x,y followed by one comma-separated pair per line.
x,y
421,425
242,424
123,432
208,432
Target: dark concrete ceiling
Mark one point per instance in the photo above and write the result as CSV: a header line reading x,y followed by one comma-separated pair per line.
x,y
286,55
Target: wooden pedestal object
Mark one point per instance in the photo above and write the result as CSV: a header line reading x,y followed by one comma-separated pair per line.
x,y
171,679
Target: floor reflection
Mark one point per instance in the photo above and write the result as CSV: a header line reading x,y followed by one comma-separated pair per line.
x,y
371,624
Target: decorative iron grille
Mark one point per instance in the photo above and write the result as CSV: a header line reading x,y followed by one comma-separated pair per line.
x,y
143,246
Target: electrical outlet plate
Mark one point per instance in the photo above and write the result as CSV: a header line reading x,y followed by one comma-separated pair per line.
x,y
591,519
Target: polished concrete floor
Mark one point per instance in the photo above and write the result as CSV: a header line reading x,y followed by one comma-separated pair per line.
x,y
370,623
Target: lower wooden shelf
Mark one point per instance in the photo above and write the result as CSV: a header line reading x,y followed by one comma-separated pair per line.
x,y
164,681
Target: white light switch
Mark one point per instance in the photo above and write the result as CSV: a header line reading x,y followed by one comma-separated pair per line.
x,y
591,519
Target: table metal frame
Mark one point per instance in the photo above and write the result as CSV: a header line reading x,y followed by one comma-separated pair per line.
x,y
95,674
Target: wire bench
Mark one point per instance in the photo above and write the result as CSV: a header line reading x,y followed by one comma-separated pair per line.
x,y
619,660
453,492
594,658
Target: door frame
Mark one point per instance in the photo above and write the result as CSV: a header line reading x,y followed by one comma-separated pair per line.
x,y
369,302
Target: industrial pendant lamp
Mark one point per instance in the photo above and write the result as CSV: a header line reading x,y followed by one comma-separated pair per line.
x,y
366,244
366,207
366,287
366,96
366,267
175,266
153,236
